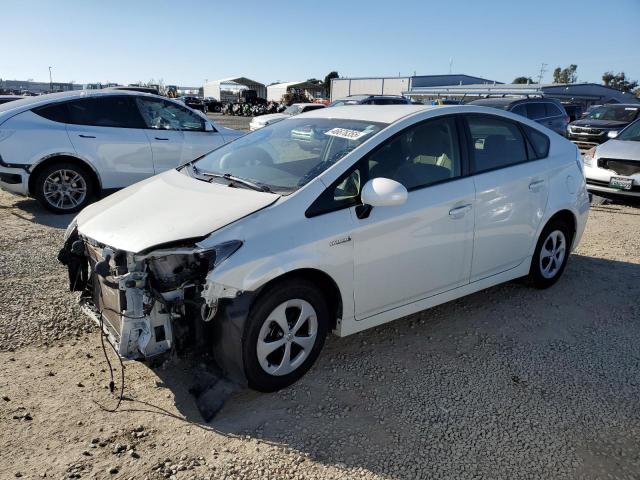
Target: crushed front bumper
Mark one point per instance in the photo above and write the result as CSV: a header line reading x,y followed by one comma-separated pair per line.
x,y
144,315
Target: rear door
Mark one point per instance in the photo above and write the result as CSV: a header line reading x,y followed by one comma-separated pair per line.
x,y
511,193
163,131
108,131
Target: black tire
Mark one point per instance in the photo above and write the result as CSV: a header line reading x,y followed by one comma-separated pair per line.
x,y
258,378
43,195
537,275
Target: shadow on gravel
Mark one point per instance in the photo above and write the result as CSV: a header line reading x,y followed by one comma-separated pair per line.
x,y
34,212
510,377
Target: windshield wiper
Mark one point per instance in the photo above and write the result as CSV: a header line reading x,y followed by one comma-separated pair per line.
x,y
233,179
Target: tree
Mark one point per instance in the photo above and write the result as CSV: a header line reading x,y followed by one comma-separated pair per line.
x,y
565,75
327,82
520,80
619,81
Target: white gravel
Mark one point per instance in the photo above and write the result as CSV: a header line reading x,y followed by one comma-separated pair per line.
x,y
508,383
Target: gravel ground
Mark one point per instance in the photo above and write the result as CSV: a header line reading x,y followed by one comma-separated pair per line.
x,y
507,383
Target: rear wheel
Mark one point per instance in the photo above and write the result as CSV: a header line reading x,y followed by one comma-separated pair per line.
x,y
284,334
551,254
64,187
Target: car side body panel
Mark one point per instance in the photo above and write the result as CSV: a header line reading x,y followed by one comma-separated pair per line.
x,y
288,241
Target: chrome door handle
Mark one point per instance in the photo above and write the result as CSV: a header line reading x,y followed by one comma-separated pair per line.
x,y
535,186
86,136
459,212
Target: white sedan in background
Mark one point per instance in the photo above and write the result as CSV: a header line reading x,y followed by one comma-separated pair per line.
x,y
66,148
272,245
613,168
295,109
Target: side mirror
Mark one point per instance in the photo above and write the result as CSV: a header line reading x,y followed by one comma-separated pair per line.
x,y
383,192
612,133
208,127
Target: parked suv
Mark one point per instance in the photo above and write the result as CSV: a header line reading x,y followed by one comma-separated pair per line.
x,y
65,148
593,128
371,100
546,111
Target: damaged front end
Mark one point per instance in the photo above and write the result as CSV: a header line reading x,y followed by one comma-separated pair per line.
x,y
151,302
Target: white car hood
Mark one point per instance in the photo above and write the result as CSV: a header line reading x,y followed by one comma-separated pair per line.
x,y
620,149
168,207
271,117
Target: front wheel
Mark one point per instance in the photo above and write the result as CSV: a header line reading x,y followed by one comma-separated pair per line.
x,y
551,254
284,334
63,187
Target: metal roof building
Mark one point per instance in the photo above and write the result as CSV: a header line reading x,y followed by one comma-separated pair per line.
x,y
344,87
232,86
584,93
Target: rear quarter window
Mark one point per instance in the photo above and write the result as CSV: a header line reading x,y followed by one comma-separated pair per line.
x,y
57,112
539,142
553,110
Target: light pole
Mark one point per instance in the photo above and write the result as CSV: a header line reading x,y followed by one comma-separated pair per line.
x,y
50,81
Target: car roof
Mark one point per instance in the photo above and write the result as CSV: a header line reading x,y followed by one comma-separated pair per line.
x,y
365,97
370,113
621,105
307,103
27,103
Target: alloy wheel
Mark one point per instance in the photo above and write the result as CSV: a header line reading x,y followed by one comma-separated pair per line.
x,y
552,254
64,189
287,337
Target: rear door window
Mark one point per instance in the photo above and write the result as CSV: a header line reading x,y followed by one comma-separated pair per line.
x,y
495,143
105,111
536,110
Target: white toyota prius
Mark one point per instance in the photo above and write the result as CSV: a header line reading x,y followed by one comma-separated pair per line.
x,y
337,220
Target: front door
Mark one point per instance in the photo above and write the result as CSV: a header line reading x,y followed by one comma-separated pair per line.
x,y
511,194
164,131
406,253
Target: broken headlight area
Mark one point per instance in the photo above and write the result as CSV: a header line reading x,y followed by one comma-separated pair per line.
x,y
148,303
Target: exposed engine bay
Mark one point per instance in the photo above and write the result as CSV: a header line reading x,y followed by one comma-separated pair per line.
x,y
152,302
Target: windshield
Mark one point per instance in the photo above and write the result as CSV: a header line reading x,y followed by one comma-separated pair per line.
x,y
617,113
287,155
632,132
293,110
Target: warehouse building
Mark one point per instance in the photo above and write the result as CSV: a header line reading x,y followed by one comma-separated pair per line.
x,y
231,89
344,87
311,90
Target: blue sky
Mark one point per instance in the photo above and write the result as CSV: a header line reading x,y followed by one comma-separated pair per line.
x,y
186,42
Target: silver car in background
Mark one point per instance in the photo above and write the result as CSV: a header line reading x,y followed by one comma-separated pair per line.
x,y
614,167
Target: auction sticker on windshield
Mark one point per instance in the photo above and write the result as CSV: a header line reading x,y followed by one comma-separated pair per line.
x,y
346,133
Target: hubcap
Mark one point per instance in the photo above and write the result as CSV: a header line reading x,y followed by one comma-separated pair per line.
x,y
287,337
552,254
65,189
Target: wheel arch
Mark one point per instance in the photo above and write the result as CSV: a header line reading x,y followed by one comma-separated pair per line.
x,y
568,217
64,157
323,280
